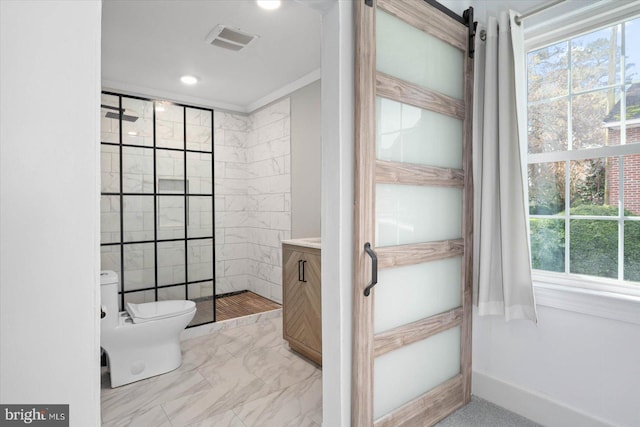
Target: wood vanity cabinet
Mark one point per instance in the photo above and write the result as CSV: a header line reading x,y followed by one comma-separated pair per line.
x,y
302,319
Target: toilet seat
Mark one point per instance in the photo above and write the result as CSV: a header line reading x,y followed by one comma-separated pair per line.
x,y
150,311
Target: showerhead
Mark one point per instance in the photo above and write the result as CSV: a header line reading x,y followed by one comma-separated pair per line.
x,y
111,115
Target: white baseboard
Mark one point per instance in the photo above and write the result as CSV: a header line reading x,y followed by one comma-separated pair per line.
x,y
530,404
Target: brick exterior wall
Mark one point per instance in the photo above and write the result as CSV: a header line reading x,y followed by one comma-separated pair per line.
x,y
631,173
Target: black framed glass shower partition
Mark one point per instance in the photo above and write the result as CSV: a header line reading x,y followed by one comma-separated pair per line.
x,y
157,201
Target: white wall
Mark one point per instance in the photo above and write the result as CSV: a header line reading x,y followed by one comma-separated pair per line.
x,y
571,369
337,211
484,8
49,205
458,6
306,161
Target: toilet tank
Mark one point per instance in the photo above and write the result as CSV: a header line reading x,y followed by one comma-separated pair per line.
x,y
109,297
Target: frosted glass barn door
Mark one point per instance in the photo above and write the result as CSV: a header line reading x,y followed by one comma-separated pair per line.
x,y
413,214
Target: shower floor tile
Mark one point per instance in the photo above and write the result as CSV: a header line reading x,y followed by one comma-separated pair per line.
x,y
240,377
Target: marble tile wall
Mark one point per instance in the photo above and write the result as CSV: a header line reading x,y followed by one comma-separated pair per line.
x,y
230,188
253,199
269,197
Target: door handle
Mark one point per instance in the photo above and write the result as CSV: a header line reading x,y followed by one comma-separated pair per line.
x,y
374,268
301,264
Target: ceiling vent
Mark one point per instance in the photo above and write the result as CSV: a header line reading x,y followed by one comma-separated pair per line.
x,y
230,38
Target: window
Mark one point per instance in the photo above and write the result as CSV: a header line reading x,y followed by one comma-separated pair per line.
x,y
584,154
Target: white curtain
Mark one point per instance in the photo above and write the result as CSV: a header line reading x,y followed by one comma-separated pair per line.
x,y
502,270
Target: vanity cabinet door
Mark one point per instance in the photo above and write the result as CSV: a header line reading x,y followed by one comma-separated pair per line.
x,y
301,301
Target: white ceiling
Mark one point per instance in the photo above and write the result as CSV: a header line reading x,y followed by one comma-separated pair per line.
x,y
148,44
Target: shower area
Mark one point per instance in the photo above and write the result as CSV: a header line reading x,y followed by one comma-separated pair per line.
x,y
194,204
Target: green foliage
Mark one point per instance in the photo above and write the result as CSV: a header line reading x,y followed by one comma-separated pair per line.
x,y
632,251
594,244
547,244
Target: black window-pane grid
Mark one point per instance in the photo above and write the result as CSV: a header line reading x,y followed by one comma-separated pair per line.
x,y
146,147
137,242
121,178
155,195
186,204
173,285
213,214
142,98
155,207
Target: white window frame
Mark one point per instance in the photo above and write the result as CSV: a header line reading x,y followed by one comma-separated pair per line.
x,y
608,298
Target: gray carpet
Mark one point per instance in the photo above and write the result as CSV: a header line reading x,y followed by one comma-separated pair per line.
x,y
480,413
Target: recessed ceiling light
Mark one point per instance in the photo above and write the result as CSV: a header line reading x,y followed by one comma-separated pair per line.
x,y
269,4
132,133
189,80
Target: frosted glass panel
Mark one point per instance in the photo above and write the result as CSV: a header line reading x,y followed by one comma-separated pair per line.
x,y
417,57
404,374
413,214
405,133
407,294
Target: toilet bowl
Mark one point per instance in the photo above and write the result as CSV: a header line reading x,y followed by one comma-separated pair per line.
x,y
144,340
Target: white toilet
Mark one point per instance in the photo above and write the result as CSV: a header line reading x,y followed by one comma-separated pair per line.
x,y
144,340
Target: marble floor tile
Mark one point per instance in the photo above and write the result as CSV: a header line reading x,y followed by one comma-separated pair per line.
x,y
278,367
201,355
237,377
225,419
215,339
257,335
294,406
144,394
231,384
150,417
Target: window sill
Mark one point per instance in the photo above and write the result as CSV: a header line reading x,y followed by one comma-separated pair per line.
x,y
601,298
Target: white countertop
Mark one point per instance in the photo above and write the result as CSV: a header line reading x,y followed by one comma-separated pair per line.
x,y
308,242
